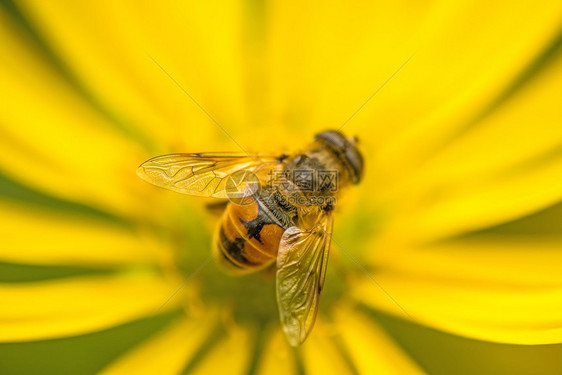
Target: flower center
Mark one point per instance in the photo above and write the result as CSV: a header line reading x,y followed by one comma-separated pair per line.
x,y
250,298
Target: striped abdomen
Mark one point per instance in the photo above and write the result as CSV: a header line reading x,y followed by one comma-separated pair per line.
x,y
247,238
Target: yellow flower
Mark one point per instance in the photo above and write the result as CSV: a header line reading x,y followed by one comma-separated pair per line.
x,y
456,226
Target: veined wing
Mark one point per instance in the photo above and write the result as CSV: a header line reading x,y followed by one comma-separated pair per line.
x,y
203,174
301,270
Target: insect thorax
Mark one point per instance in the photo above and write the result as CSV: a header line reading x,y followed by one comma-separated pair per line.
x,y
313,177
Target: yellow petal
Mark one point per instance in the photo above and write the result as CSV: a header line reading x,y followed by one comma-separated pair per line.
x,y
455,76
116,63
51,54
167,352
277,356
231,355
503,291
517,261
370,348
326,59
319,346
506,167
523,129
482,203
58,308
62,146
38,236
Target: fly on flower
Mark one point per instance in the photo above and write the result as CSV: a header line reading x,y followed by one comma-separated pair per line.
x,y
280,210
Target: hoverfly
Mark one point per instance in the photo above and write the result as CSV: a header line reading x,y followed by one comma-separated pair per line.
x,y
280,211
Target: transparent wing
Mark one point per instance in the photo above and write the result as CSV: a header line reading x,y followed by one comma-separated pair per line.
x,y
203,174
301,269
